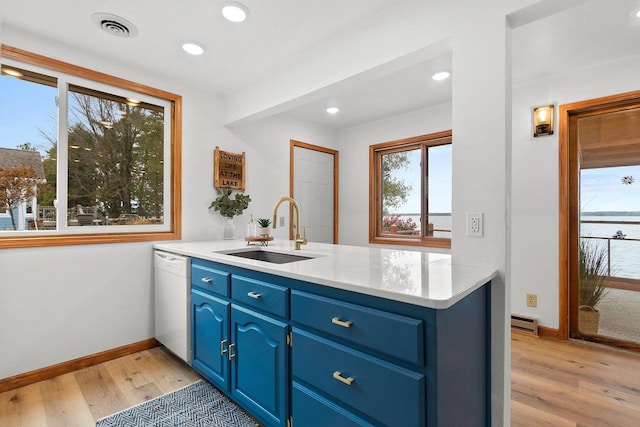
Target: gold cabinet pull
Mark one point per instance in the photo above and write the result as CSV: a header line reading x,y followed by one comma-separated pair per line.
x,y
231,353
338,375
222,349
343,323
254,295
207,280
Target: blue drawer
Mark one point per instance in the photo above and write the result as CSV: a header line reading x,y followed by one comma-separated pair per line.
x,y
390,334
392,395
263,296
205,276
311,409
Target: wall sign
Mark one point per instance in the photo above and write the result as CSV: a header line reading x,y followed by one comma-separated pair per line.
x,y
228,169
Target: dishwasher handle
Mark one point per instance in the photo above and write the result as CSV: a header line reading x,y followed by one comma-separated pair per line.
x,y
172,263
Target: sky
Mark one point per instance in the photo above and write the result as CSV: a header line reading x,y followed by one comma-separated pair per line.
x,y
31,108
603,189
440,173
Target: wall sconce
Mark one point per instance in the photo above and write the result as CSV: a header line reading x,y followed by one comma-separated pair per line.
x,y
543,120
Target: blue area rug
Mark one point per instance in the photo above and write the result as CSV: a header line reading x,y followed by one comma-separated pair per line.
x,y
197,405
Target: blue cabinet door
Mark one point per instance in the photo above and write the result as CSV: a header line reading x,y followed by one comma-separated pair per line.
x,y
260,365
210,337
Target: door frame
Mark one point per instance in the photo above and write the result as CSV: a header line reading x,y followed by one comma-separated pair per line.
x,y
568,197
336,155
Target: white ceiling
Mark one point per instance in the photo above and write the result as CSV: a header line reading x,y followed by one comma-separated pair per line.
x,y
598,31
236,53
278,31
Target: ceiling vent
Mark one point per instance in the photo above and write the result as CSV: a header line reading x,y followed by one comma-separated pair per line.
x,y
114,25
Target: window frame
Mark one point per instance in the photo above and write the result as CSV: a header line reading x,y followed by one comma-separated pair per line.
x,y
376,152
120,234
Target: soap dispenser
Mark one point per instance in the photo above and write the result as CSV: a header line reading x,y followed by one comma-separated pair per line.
x,y
251,228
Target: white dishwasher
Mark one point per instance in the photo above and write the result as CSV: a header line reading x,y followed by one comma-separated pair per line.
x,y
172,299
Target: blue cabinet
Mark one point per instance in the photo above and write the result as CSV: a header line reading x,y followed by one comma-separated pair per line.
x,y
259,372
292,352
386,393
243,352
380,331
210,337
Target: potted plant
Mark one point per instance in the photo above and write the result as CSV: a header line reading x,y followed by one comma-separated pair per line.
x,y
593,269
230,206
264,226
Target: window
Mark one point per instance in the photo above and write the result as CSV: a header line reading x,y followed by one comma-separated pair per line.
x,y
410,191
101,155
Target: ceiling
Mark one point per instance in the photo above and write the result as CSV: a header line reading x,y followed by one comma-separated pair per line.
x,y
276,32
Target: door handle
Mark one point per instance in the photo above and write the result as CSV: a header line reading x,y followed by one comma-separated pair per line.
x,y
231,354
254,295
343,323
338,375
222,349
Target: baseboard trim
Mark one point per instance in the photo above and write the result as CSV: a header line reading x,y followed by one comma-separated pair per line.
x,y
47,372
546,332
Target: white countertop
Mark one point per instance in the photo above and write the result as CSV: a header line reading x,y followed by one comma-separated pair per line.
x,y
419,278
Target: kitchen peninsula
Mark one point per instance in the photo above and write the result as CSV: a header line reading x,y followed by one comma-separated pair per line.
x,y
349,336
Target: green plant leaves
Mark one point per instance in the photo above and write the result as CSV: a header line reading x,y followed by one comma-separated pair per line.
x,y
229,205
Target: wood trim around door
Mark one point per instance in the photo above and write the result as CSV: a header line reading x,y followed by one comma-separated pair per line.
x,y
336,159
568,165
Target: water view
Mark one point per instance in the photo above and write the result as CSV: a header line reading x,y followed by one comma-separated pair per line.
x,y
625,249
441,222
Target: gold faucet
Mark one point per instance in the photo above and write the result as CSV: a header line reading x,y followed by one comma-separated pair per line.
x,y
299,240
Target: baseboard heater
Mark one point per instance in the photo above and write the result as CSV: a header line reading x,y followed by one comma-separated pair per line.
x,y
524,324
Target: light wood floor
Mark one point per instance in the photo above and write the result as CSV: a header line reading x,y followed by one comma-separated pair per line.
x,y
80,398
573,383
554,383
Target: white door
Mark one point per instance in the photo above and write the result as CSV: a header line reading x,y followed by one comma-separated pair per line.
x,y
313,190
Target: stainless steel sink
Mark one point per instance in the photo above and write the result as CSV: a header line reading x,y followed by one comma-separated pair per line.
x,y
268,256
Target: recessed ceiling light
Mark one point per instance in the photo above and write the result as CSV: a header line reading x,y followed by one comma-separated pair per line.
x,y
192,48
11,72
441,75
637,13
234,11
333,110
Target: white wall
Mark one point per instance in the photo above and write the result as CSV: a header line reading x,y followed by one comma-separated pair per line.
x,y
354,163
480,174
267,143
60,303
57,304
535,240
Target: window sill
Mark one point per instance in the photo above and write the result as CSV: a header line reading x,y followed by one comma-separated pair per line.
x,y
85,239
431,242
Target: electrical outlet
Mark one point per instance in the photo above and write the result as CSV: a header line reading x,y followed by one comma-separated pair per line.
x,y
532,300
474,224
281,221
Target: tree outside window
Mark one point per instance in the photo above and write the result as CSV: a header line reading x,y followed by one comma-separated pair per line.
x,y
18,185
109,164
115,158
